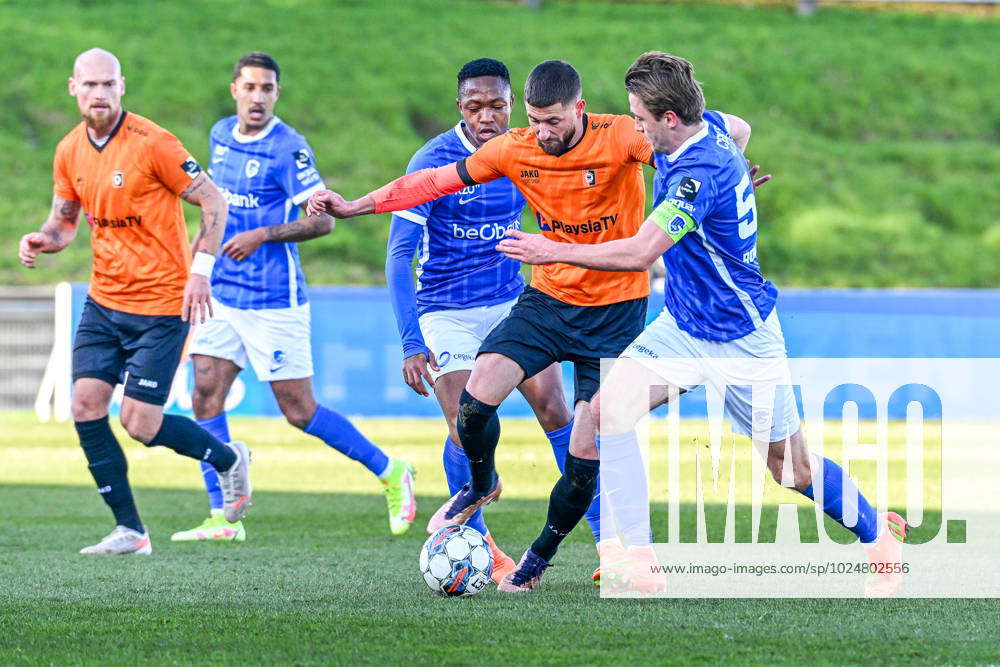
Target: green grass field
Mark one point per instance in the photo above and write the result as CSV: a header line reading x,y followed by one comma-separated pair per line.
x,y
882,128
319,579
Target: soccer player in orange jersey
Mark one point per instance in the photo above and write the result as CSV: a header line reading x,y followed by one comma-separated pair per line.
x,y
128,175
582,175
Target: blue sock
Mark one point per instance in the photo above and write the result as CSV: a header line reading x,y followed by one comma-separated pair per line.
x,y
335,430
626,496
219,427
456,471
835,502
559,439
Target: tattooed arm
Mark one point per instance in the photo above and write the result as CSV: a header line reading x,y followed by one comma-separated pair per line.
x,y
214,210
246,243
56,233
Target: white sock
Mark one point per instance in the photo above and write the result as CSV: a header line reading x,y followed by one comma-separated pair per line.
x,y
388,470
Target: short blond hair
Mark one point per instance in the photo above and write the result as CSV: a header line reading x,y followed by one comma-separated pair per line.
x,y
666,83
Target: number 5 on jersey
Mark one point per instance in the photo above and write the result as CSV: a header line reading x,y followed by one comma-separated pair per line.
x,y
746,207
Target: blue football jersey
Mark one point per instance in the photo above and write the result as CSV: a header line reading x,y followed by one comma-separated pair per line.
x,y
714,287
458,265
265,177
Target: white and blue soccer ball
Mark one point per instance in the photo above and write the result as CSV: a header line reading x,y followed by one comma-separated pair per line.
x,y
456,561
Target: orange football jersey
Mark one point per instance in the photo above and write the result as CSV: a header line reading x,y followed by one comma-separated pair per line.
x,y
592,193
129,191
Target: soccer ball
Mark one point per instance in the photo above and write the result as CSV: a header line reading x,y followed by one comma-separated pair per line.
x,y
456,562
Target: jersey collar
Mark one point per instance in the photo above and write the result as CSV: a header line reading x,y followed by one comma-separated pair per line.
x,y
250,138
100,147
460,131
692,140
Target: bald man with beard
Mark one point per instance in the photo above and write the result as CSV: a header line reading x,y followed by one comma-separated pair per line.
x,y
128,175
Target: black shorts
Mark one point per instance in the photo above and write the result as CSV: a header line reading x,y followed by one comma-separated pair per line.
x,y
110,343
541,329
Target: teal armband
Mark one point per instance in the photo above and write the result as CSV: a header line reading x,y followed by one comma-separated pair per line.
x,y
672,220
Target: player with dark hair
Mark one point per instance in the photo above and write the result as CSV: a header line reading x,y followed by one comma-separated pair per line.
x,y
129,176
718,305
582,175
465,288
261,311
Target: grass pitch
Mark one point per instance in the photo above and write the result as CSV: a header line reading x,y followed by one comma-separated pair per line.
x,y
320,580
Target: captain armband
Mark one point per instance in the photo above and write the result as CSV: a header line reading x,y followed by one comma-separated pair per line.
x,y
674,221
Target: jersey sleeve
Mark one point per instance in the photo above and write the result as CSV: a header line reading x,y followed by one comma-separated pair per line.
x,y
419,213
716,118
689,198
486,164
63,184
171,163
296,171
404,236
637,146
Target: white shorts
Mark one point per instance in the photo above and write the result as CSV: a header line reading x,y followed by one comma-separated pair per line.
x,y
454,336
275,341
727,369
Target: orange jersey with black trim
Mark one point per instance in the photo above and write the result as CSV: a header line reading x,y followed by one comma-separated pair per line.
x,y
592,193
129,191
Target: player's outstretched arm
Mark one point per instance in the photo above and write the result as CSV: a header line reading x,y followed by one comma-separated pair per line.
x,y
635,253
739,130
246,243
197,293
403,193
58,230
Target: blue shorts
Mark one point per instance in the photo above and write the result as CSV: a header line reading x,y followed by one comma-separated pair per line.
x,y
141,351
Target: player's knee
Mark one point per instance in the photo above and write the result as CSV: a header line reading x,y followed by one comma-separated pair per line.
x,y
85,408
207,401
298,413
553,415
138,427
473,414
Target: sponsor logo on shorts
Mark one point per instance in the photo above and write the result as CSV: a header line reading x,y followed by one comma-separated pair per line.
x,y
463,356
279,359
443,359
642,349
152,384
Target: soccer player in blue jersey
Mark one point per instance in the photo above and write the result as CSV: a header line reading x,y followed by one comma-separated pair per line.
x,y
718,305
465,287
266,171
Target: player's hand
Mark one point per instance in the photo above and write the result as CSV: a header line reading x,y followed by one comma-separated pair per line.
x,y
329,202
244,244
197,305
757,182
527,248
31,245
415,371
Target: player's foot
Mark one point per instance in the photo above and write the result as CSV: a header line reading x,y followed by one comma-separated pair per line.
x,y
235,483
885,555
527,576
633,572
214,527
400,496
460,507
122,541
610,552
502,563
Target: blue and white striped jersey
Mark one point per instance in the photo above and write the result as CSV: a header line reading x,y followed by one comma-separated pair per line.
x,y
458,265
714,287
265,177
